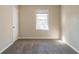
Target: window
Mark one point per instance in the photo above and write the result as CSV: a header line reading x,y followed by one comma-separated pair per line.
x,y
42,20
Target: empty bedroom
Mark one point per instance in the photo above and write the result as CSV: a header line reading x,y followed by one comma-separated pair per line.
x,y
39,29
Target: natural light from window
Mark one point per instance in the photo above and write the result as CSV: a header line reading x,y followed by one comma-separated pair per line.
x,y
42,20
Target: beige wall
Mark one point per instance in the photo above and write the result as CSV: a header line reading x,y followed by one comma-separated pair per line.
x,y
6,23
27,22
70,22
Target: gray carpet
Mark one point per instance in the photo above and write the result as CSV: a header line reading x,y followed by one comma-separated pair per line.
x,y
39,47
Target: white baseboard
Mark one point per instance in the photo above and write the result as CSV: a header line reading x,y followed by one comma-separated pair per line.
x,y
36,38
65,41
72,47
7,46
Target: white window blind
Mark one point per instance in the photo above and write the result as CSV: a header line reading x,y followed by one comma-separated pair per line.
x,y
42,20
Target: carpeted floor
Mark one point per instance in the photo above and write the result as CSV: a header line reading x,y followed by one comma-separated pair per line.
x,y
28,46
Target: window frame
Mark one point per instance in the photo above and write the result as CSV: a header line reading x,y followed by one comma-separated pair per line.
x,y
42,12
